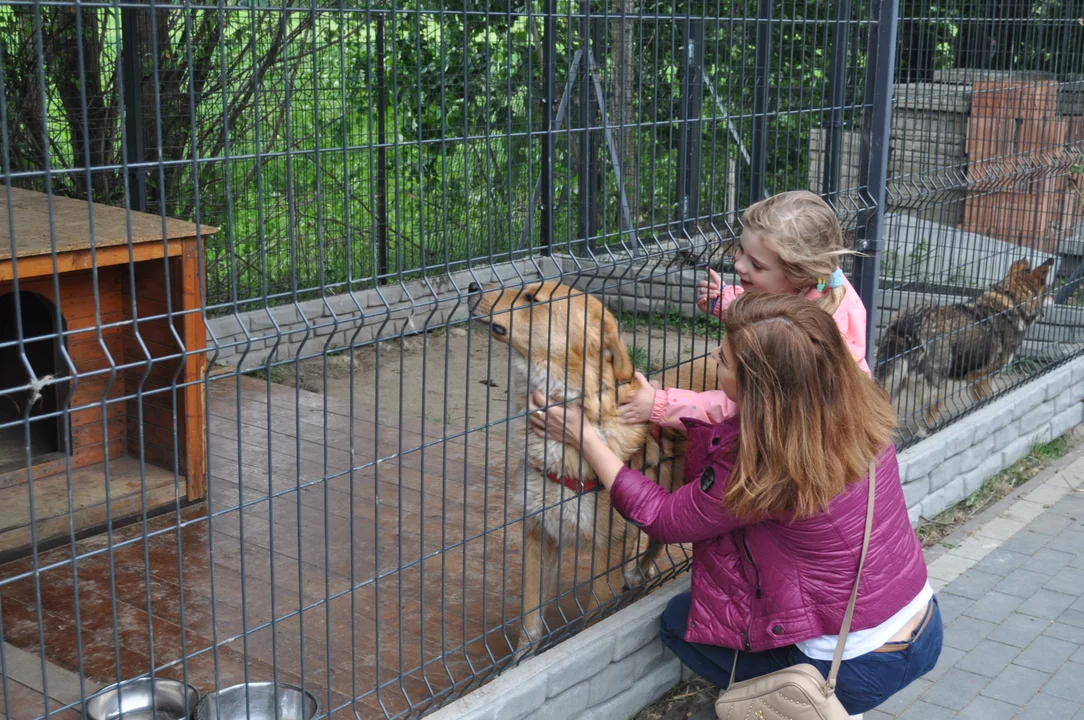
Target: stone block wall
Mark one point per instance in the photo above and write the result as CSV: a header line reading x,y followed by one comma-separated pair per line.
x,y
305,329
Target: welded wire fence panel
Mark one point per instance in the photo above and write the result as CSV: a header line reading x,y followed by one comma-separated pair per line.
x,y
275,281
980,268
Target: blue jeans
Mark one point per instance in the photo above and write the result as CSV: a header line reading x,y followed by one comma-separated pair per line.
x,y
864,682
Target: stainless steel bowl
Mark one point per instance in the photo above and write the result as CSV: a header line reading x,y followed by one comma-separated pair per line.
x,y
143,699
257,701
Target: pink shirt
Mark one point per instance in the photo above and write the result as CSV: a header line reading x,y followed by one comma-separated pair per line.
x,y
673,404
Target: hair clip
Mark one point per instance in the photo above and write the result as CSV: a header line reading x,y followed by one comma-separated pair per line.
x,y
820,284
836,279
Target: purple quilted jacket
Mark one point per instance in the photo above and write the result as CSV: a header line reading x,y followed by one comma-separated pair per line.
x,y
777,582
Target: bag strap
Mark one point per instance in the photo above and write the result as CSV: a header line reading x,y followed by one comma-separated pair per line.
x,y
849,615
845,629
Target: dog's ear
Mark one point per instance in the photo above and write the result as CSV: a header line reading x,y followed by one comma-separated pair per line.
x,y
1040,272
614,345
1020,267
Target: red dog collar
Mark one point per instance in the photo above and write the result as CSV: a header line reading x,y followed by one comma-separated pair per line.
x,y
578,486
574,484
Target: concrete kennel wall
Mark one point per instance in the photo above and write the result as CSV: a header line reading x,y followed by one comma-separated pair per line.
x,y
286,332
613,669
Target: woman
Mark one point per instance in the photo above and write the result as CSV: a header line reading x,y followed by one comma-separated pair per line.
x,y
774,504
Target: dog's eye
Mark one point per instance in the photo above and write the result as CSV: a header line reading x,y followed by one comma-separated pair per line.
x,y
528,297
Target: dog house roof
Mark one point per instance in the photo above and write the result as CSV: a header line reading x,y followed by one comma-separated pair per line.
x,y
71,223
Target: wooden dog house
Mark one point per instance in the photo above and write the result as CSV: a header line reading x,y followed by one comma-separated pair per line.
x,y
119,398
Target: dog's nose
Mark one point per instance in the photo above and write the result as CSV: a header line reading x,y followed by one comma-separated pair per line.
x,y
474,287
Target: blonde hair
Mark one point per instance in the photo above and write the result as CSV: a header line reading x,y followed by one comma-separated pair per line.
x,y
804,231
811,420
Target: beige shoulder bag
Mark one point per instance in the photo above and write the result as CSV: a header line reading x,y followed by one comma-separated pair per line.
x,y
799,692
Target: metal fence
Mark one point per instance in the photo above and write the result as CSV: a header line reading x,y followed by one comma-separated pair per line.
x,y
248,429
980,267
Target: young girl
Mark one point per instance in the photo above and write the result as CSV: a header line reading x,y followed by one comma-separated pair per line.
x,y
791,244
775,505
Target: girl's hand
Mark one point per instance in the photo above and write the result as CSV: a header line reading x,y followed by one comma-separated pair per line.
x,y
638,409
709,291
563,423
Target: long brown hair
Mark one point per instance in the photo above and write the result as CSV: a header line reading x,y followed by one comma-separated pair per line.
x,y
811,420
804,231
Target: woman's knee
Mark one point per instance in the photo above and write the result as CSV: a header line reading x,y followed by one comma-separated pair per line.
x,y
675,618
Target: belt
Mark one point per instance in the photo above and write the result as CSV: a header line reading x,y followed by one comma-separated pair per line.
x,y
898,646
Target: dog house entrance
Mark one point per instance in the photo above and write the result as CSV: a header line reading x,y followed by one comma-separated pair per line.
x,y
43,352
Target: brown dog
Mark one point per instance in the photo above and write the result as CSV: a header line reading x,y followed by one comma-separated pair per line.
x,y
567,345
935,348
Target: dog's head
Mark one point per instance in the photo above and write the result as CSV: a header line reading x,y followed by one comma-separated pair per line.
x,y
567,332
1026,287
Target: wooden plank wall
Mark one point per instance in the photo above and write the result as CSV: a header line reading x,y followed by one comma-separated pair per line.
x,y
92,439
153,393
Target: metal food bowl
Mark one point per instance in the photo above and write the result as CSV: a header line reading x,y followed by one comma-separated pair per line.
x,y
143,699
257,701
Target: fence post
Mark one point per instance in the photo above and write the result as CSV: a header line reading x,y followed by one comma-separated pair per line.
x,y
833,150
549,100
381,199
873,159
133,105
690,137
759,165
588,179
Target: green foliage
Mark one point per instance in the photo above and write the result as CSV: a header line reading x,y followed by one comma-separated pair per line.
x,y
639,359
266,119
701,324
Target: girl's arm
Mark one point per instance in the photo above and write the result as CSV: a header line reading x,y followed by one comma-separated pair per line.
x,y
673,404
851,322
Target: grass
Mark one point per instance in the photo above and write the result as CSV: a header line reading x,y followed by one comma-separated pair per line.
x,y
702,324
279,374
449,418
934,530
683,700
640,360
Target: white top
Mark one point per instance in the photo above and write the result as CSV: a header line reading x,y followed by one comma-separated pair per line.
x,y
860,642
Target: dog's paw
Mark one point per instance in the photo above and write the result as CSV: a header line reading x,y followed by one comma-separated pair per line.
x,y
524,644
635,577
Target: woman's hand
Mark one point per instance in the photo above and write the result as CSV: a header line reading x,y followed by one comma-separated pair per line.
x,y
563,423
566,423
